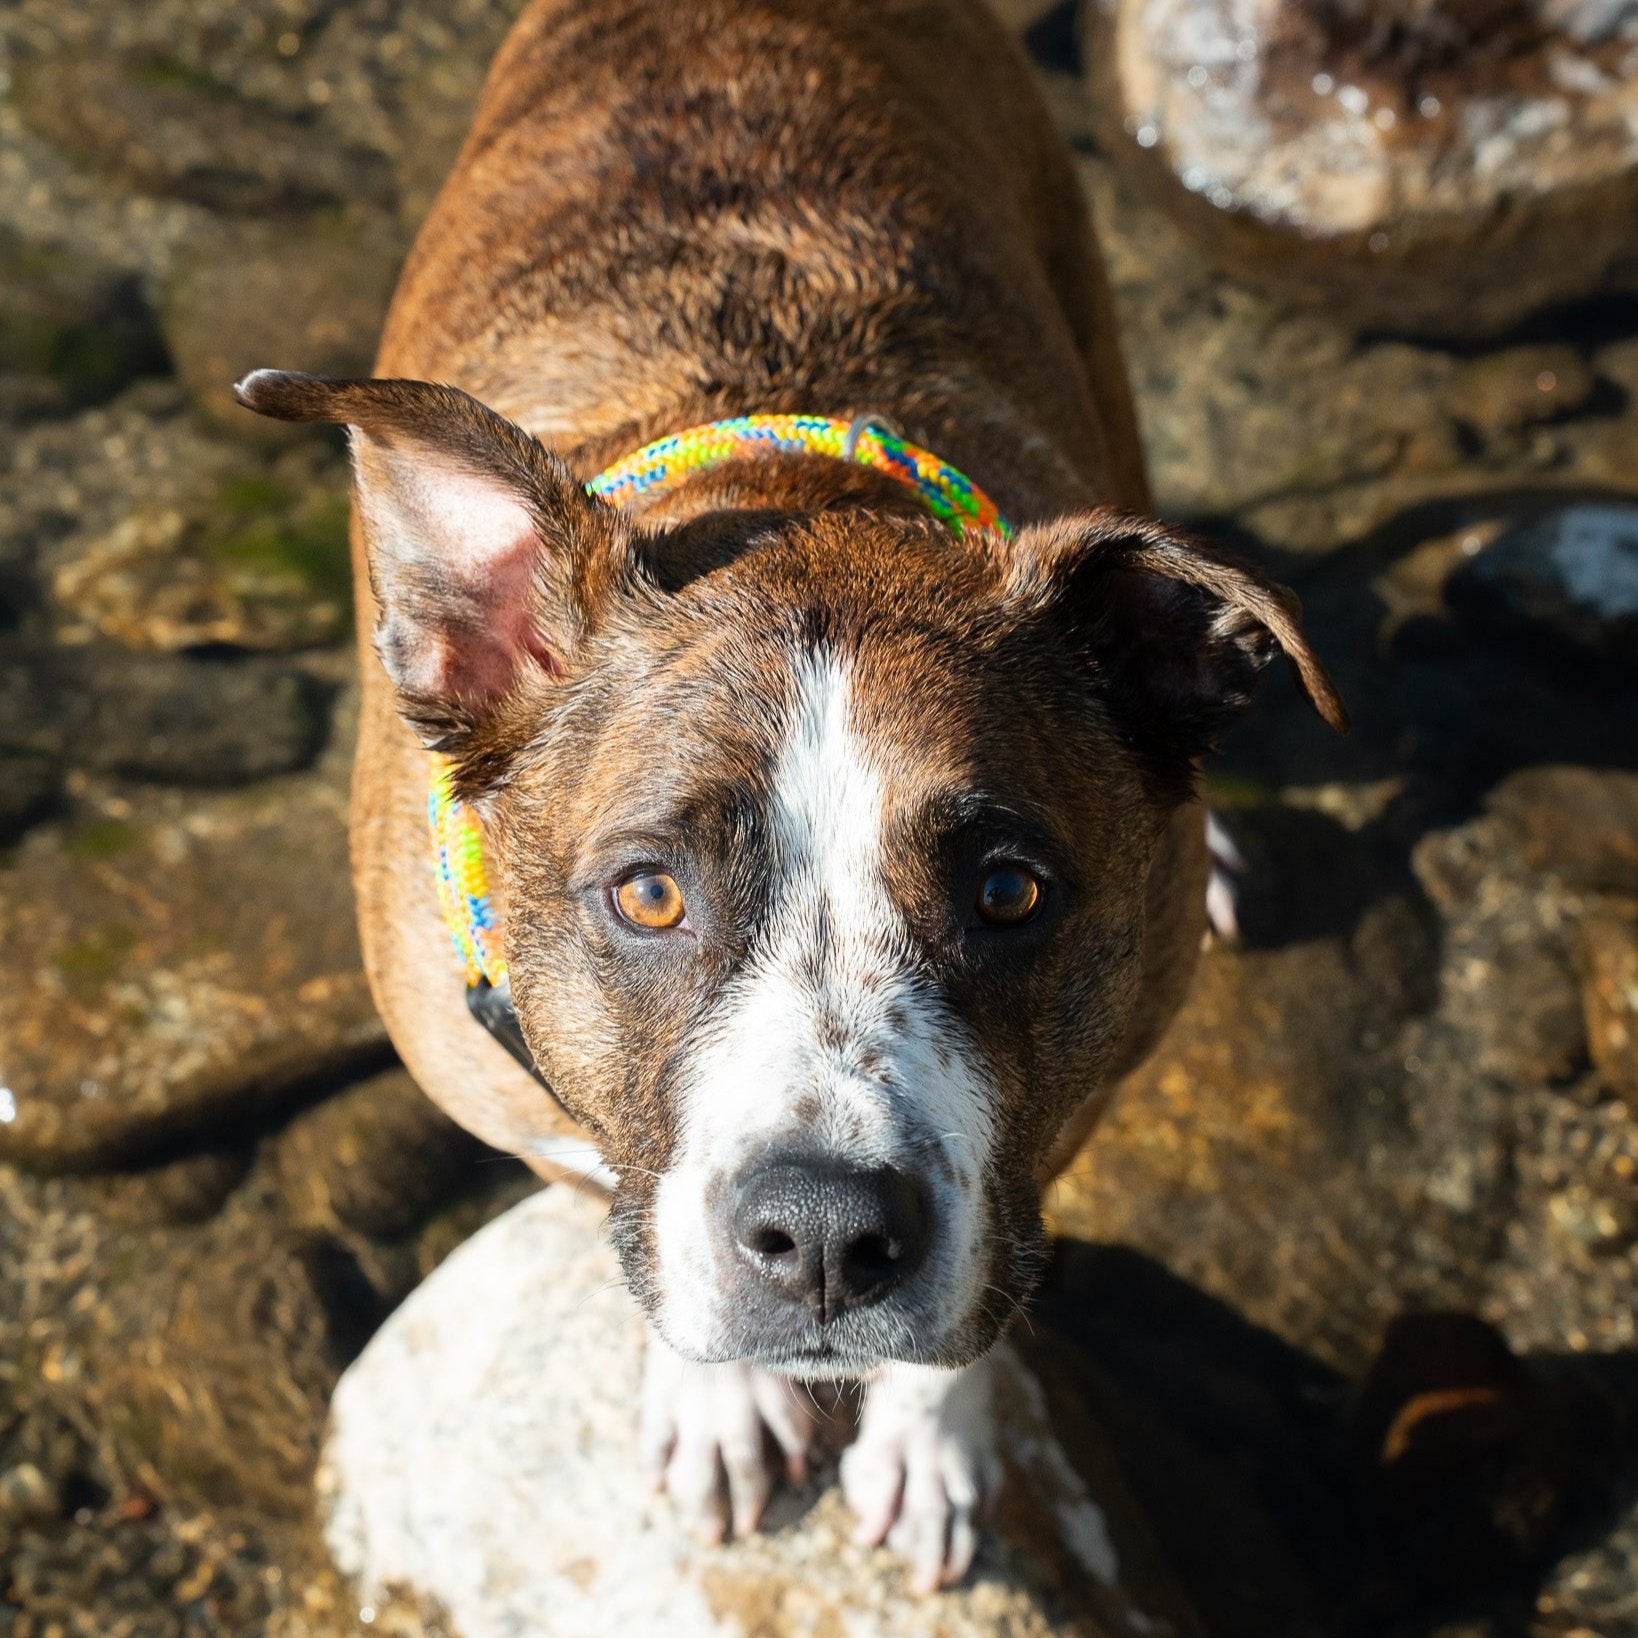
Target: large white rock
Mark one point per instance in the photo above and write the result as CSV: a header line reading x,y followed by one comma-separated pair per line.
x,y
481,1461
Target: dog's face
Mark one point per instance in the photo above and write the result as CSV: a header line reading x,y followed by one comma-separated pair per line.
x,y
822,839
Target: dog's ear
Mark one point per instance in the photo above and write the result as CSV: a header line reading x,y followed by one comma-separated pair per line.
x,y
485,555
1175,631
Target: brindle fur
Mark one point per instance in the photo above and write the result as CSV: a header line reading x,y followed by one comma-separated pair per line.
x,y
667,215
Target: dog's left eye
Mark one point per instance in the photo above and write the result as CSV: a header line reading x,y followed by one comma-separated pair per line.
x,y
1008,896
650,899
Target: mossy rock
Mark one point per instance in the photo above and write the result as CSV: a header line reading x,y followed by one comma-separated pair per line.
x,y
71,334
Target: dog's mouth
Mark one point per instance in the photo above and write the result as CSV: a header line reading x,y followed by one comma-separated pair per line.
x,y
820,1361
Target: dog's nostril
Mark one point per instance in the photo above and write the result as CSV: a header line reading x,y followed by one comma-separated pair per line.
x,y
772,1242
873,1257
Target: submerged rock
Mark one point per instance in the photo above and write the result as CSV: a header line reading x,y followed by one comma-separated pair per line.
x,y
175,718
301,297
1429,169
71,333
161,127
1607,952
1568,578
175,963
481,1460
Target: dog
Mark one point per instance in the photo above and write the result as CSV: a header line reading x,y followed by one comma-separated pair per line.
x,y
842,860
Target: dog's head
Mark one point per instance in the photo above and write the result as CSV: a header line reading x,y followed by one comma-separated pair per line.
x,y
823,839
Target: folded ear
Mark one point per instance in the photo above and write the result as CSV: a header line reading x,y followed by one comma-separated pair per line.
x,y
1176,631
484,553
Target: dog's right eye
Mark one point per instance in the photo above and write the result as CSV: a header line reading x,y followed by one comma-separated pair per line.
x,y
650,900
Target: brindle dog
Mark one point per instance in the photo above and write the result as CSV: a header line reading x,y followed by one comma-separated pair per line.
x,y
845,862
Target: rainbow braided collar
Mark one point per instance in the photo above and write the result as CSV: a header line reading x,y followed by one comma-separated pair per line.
x,y
952,497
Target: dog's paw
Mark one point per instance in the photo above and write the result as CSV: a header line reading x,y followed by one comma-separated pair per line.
x,y
924,1467
705,1438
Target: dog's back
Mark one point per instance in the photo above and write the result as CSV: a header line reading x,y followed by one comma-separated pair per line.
x,y
665,214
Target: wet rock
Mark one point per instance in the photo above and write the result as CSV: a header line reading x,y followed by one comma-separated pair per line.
x,y
1469,1458
1412,167
378,1158
215,1368
27,1496
1607,953
71,333
304,298
1579,823
1517,387
175,964
29,786
513,1371
187,1188
161,127
173,718
1569,578
262,562
1339,1121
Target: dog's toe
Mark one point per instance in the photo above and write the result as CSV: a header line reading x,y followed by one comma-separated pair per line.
x,y
706,1433
924,1467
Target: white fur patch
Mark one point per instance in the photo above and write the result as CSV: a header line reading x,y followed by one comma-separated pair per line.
x,y
828,1016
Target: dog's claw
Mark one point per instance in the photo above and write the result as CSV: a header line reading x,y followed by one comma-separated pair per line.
x,y
923,1468
705,1433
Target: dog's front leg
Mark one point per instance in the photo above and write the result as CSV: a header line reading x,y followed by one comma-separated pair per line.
x,y
705,1436
924,1466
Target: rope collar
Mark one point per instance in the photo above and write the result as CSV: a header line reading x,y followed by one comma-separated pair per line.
x,y
655,469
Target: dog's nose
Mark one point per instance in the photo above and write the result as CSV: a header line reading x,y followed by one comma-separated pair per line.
x,y
829,1237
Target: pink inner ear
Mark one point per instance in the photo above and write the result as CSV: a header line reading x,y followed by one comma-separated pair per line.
x,y
455,562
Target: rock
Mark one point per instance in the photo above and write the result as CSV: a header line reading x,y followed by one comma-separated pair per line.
x,y
1469,1458
512,1373
1421,169
1343,1118
27,1496
176,964
1517,387
309,297
1607,953
258,564
72,333
1579,823
173,718
29,786
1568,578
378,1158
163,128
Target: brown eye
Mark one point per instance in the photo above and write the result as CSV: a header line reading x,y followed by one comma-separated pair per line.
x,y
650,899
1008,896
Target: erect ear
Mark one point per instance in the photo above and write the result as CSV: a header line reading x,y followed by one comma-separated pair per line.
x,y
1176,631
485,554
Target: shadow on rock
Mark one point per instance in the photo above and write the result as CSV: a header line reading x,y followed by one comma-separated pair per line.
x,y
1290,1499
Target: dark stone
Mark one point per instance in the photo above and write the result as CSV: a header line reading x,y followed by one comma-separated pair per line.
x,y
163,129
379,1158
309,297
1569,577
1579,823
71,333
172,718
1607,953
29,786
176,966
1470,1459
